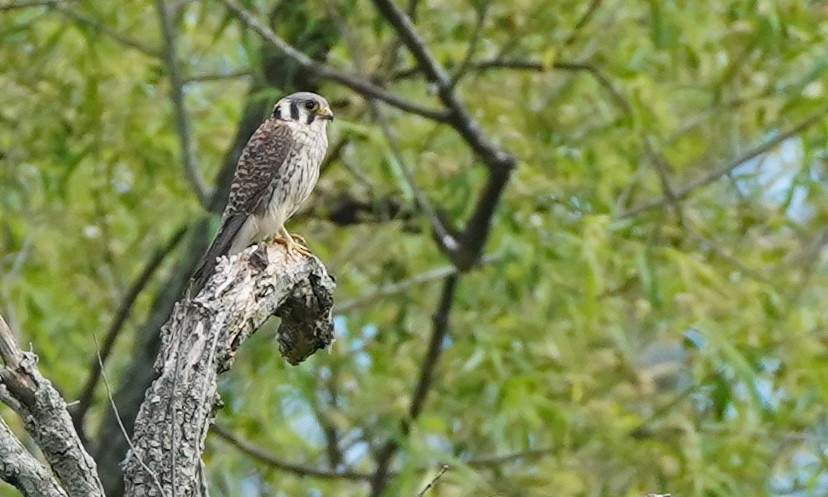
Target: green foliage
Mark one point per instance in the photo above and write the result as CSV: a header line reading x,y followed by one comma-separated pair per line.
x,y
609,350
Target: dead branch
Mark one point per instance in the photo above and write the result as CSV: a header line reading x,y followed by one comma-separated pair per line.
x,y
46,419
199,343
22,470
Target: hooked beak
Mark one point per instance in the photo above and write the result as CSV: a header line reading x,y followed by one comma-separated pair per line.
x,y
325,113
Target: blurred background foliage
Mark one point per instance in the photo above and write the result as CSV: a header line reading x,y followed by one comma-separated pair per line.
x,y
647,317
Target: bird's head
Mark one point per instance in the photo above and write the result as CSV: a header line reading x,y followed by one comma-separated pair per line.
x,y
303,107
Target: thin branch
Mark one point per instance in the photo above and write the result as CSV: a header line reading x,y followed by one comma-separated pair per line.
x,y
459,117
498,161
120,423
402,286
324,71
203,78
435,347
103,28
727,168
433,481
19,468
475,39
661,168
379,480
582,22
500,63
6,7
118,321
9,351
264,456
444,238
182,123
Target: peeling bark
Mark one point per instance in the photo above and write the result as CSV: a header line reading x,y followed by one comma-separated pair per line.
x,y
199,342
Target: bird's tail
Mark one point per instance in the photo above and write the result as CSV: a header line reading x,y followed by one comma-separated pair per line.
x,y
220,246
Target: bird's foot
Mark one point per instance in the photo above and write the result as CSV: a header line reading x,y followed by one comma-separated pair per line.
x,y
291,244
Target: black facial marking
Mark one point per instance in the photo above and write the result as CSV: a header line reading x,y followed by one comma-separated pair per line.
x,y
311,116
277,112
294,111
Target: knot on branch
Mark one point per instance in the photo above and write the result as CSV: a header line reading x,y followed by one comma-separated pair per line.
x,y
306,318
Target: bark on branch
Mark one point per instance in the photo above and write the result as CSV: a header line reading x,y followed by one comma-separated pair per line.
x,y
199,343
45,417
22,470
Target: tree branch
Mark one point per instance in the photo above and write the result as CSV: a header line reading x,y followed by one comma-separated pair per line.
x,y
582,22
46,419
22,470
262,455
466,64
499,162
459,117
434,480
182,124
445,239
199,343
325,71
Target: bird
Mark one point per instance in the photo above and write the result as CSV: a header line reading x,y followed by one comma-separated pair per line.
x,y
276,172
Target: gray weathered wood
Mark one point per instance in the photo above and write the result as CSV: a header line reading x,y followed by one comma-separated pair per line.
x,y
45,417
21,469
199,343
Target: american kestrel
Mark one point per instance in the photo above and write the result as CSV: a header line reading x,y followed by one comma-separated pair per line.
x,y
276,172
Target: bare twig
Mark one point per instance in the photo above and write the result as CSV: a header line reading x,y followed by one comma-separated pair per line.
x,y
182,123
459,117
728,257
264,456
475,39
202,78
10,353
661,168
118,417
498,161
446,239
324,71
433,481
121,315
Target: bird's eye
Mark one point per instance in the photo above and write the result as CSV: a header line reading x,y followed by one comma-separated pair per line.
x,y
311,105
